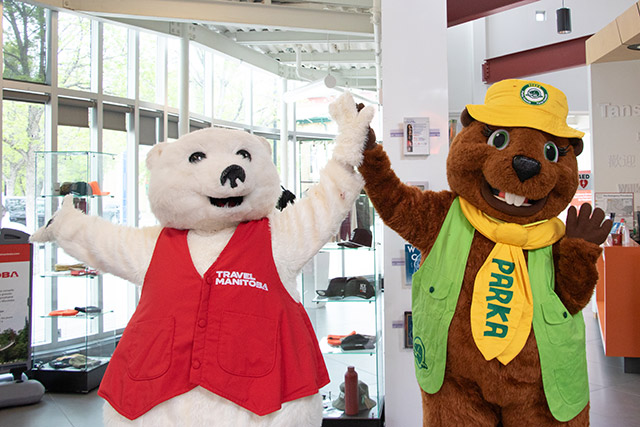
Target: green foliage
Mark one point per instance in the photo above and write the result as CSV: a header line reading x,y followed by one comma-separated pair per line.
x,y
19,350
24,35
22,135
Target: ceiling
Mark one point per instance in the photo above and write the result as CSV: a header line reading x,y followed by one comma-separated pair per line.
x,y
297,39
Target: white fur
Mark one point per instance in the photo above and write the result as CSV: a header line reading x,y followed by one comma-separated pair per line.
x,y
179,193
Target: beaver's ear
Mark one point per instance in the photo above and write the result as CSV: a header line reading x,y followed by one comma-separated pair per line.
x,y
465,118
577,145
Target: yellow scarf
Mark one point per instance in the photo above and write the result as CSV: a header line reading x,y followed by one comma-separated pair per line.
x,y
502,305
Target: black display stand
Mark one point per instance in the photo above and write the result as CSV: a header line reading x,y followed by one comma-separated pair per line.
x,y
70,382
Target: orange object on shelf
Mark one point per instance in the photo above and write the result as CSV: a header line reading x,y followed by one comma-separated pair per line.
x,y
67,312
618,299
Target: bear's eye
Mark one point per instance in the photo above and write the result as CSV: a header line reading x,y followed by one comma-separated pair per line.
x,y
244,153
197,156
499,139
551,152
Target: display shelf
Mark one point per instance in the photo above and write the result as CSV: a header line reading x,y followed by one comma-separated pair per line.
x,y
344,315
84,336
79,316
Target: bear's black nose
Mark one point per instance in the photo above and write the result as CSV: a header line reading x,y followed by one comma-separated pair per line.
x,y
525,167
232,173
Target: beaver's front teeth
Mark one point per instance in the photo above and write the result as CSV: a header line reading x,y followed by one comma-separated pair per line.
x,y
514,199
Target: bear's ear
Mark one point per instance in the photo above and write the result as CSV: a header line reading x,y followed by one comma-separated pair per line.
x,y
577,145
154,154
266,143
465,118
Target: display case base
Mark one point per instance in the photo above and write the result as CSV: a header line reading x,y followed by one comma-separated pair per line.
x,y
69,381
355,421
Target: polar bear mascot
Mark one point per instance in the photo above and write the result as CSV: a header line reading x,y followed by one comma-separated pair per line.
x,y
219,337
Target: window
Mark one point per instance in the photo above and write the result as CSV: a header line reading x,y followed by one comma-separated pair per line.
x,y
74,52
197,78
173,71
22,135
231,89
25,44
150,89
115,60
266,99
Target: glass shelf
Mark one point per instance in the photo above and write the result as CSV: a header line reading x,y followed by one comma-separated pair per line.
x,y
325,348
79,196
80,315
67,274
319,300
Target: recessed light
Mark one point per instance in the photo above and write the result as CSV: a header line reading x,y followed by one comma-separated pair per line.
x,y
541,15
634,46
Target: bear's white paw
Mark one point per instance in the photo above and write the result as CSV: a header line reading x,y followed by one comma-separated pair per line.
x,y
353,127
45,233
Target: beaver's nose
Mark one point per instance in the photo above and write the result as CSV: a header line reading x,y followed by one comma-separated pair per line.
x,y
232,174
525,167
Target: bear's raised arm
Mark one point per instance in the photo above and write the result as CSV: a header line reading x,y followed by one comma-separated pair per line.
x,y
300,230
414,214
110,248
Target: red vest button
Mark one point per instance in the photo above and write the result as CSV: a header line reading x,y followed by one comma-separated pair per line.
x,y
209,280
196,364
202,323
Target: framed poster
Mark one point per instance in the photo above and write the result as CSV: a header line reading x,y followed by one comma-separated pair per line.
x,y
619,204
416,136
408,330
411,262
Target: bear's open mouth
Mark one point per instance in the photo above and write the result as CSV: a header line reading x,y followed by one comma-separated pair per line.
x,y
229,202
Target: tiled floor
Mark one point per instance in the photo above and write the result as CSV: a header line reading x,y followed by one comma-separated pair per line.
x,y
615,396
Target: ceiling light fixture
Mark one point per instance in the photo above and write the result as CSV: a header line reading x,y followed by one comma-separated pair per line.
x,y
563,19
541,15
634,46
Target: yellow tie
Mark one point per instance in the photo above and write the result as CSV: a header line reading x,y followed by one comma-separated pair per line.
x,y
502,305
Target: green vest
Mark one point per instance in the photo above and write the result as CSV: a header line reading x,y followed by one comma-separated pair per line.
x,y
560,336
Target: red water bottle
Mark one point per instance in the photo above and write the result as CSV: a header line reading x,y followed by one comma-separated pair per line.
x,y
351,392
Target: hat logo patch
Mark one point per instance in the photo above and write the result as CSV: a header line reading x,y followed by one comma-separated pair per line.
x,y
534,94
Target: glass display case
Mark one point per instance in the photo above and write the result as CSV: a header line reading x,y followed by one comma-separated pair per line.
x,y
343,294
72,340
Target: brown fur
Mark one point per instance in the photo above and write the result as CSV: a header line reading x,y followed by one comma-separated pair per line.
x,y
475,391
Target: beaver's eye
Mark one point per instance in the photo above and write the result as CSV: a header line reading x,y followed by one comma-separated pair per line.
x,y
197,156
245,154
551,152
499,139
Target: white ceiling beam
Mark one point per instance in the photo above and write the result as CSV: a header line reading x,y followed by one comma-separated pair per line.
x,y
258,38
210,39
225,13
353,56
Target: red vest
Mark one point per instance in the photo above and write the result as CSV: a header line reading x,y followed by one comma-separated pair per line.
x,y
236,331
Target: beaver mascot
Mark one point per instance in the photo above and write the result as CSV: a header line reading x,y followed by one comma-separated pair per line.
x,y
499,336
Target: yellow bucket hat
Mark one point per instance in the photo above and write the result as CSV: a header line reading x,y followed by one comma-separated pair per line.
x,y
525,103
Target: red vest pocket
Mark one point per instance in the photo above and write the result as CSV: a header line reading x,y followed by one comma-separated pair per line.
x,y
247,345
147,348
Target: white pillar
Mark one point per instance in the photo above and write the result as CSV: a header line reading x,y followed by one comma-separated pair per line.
x,y
414,76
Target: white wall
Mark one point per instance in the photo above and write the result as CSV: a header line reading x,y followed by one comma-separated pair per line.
x,y
615,123
516,30
414,67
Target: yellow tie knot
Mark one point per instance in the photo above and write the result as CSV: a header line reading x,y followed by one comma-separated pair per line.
x,y
511,234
